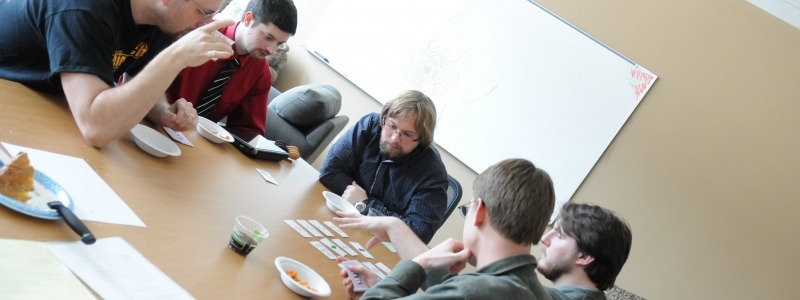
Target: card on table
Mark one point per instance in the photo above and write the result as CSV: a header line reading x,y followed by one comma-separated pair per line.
x,y
336,229
319,226
384,268
333,247
323,249
362,250
177,136
374,269
345,247
267,176
310,228
390,246
297,228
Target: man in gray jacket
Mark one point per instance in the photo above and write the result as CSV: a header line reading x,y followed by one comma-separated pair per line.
x,y
512,203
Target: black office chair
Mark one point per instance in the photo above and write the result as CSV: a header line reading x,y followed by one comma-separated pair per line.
x,y
453,195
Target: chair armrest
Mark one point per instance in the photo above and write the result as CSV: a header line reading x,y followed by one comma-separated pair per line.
x,y
322,135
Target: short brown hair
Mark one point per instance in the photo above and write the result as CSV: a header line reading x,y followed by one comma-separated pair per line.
x,y
417,104
519,198
600,233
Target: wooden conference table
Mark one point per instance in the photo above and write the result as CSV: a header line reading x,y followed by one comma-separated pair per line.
x,y
187,202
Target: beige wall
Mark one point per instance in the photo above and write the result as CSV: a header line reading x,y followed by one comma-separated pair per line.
x,y
705,168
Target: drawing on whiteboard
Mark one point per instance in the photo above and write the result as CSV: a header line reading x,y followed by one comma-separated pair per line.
x,y
641,80
434,65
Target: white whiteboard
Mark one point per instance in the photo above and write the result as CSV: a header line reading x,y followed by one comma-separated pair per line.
x,y
509,78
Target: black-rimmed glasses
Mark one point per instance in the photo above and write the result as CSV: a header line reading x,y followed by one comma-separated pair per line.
x,y
464,208
403,134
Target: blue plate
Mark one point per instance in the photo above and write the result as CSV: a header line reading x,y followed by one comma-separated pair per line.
x,y
45,190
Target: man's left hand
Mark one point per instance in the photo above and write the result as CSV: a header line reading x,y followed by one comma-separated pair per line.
x,y
180,116
450,254
354,193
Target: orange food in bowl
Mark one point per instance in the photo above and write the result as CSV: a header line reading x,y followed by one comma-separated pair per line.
x,y
293,274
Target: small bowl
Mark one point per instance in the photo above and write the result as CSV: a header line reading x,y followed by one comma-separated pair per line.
x,y
153,142
337,203
213,132
321,287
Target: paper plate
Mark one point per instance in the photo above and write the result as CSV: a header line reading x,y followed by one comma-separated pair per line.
x,y
212,131
336,202
153,142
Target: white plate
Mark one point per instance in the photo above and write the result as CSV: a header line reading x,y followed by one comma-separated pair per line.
x,y
336,202
212,131
321,287
45,190
153,142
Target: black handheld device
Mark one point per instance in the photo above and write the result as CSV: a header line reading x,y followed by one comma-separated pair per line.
x,y
265,153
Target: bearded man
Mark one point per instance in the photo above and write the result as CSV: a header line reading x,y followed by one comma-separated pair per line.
x,y
385,165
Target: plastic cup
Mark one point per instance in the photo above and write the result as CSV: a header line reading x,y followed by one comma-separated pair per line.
x,y
247,234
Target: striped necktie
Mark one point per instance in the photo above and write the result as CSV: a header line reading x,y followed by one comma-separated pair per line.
x,y
211,96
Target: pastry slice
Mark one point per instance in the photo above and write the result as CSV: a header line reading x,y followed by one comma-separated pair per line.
x,y
16,178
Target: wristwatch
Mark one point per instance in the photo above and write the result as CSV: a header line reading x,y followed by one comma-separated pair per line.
x,y
362,207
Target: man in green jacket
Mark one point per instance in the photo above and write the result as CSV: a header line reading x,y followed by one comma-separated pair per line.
x,y
512,203
583,252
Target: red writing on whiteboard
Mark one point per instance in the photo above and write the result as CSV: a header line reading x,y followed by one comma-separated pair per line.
x,y
640,81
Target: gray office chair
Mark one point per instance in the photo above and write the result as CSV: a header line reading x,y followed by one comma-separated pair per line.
x,y
305,116
618,293
454,193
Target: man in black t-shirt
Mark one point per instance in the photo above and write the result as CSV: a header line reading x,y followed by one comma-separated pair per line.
x,y
79,48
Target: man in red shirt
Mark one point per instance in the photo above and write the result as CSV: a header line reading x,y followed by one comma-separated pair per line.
x,y
265,25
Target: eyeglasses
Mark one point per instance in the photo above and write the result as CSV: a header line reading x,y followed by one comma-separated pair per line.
x,y
403,134
463,209
205,14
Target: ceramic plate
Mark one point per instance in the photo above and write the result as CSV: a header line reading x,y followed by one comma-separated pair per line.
x,y
45,190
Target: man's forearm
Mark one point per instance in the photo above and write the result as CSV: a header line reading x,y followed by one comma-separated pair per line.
x,y
162,105
406,242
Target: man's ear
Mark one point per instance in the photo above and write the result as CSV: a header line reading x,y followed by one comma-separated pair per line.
x,y
480,212
584,259
248,18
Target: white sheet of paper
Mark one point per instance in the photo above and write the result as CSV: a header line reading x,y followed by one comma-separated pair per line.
x,y
177,136
94,199
267,176
31,272
116,270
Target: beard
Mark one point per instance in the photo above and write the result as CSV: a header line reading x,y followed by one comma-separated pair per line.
x,y
387,151
558,269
